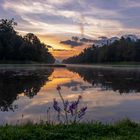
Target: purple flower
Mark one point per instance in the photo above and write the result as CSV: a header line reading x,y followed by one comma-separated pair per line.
x,y
72,107
66,103
55,106
82,112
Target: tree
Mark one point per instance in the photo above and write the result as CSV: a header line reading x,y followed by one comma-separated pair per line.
x,y
17,48
121,50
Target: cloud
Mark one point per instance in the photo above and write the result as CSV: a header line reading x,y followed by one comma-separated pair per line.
x,y
58,2
49,46
78,41
27,6
60,50
92,18
86,40
71,43
131,4
43,27
36,7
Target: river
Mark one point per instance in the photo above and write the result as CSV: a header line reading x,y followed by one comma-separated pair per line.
x,y
110,94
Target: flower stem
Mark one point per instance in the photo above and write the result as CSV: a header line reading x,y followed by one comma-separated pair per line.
x,y
66,115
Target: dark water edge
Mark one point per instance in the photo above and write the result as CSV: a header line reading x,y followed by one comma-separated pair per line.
x,y
37,65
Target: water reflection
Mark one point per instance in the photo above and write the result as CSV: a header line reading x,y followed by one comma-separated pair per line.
x,y
76,85
123,81
101,90
15,82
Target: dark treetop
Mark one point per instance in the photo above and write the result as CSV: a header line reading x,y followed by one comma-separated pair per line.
x,y
14,47
118,51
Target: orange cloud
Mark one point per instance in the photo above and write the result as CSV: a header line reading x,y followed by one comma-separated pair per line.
x,y
53,40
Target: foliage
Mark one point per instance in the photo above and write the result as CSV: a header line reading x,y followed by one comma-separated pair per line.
x,y
123,130
121,50
17,48
70,112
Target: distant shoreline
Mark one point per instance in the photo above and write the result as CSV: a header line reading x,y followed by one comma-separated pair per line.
x,y
101,66
107,66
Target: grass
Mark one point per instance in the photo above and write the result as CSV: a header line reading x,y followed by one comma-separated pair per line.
x,y
123,130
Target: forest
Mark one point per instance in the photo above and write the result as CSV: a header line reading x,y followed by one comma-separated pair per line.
x,y
122,50
14,47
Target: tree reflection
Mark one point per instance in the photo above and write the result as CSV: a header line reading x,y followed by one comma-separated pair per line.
x,y
13,83
123,81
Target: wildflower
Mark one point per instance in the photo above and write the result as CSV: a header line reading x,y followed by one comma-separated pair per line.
x,y
78,100
66,103
58,88
80,97
55,105
72,107
82,112
70,112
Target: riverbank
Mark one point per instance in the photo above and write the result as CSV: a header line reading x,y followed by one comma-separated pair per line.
x,y
35,65
28,64
123,130
119,66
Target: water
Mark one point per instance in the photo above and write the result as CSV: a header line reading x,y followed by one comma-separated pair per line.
x,y
26,93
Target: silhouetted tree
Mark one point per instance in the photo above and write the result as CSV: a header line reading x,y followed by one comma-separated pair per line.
x,y
14,47
121,50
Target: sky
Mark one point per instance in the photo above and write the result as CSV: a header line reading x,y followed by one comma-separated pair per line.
x,y
54,21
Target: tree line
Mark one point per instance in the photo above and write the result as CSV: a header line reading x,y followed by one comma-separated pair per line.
x,y
119,51
14,47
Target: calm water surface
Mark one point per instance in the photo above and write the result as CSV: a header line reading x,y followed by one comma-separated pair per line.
x,y
110,94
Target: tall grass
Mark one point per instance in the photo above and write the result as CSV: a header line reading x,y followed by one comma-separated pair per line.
x,y
123,130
